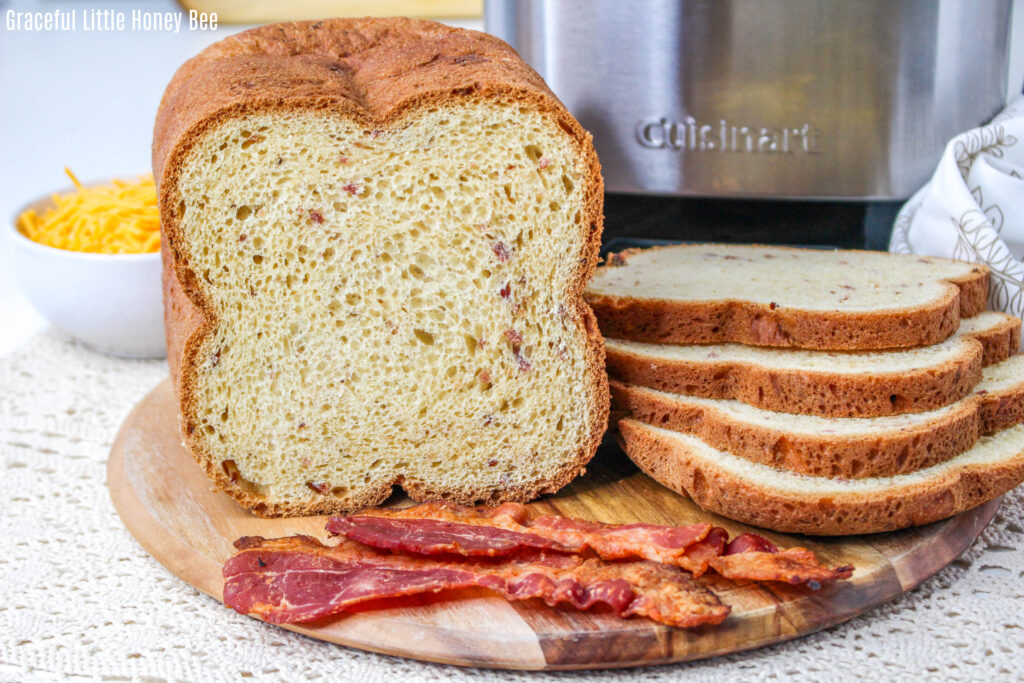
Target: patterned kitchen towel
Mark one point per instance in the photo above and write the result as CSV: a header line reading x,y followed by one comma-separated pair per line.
x,y
973,207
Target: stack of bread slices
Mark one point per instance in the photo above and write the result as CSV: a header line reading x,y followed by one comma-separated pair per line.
x,y
811,391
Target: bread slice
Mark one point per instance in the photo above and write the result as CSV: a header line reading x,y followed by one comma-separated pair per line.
x,y
376,237
848,448
783,501
777,296
829,384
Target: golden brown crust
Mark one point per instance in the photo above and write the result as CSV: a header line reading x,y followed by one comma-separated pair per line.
x,y
999,342
751,502
823,393
375,71
806,392
663,321
861,455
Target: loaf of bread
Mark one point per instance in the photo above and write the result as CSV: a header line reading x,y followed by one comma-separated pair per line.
x,y
844,448
376,237
777,296
832,384
778,499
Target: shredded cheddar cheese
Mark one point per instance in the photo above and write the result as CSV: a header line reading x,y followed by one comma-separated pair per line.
x,y
121,218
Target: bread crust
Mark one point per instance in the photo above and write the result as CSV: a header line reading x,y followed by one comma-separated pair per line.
x,y
376,72
664,321
861,455
823,393
720,491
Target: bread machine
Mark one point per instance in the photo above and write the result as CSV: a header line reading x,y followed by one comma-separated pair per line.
x,y
771,99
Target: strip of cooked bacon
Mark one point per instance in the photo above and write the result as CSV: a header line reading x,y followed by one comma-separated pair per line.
x,y
297,579
748,542
754,558
446,528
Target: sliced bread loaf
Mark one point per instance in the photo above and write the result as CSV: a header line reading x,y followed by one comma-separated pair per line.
x,y
783,501
376,237
846,448
777,296
830,384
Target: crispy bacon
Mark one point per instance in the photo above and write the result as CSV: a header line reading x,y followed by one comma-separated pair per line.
x,y
445,528
299,579
748,542
755,558
794,565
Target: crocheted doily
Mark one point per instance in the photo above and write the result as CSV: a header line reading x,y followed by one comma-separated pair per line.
x,y
81,600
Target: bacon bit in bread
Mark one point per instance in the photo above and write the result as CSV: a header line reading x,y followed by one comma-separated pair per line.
x,y
769,332
230,469
502,251
315,216
505,291
342,160
513,336
321,487
543,163
484,377
353,189
524,363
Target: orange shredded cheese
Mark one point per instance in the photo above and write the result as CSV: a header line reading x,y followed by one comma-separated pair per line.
x,y
120,218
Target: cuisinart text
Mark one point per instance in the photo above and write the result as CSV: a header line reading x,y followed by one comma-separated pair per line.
x,y
689,134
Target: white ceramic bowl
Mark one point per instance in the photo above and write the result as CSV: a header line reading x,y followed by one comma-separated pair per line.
x,y
110,302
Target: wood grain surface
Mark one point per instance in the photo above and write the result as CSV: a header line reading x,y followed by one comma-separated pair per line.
x,y
167,503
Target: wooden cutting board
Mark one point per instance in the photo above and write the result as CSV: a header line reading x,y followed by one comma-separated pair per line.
x,y
168,505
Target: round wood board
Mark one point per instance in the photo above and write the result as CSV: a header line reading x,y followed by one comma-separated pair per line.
x,y
169,506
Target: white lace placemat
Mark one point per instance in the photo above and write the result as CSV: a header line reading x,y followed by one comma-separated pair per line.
x,y
80,600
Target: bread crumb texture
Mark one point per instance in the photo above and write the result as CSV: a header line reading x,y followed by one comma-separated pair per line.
x,y
391,306
807,279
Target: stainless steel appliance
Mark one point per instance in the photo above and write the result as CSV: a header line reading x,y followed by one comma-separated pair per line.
x,y
846,99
